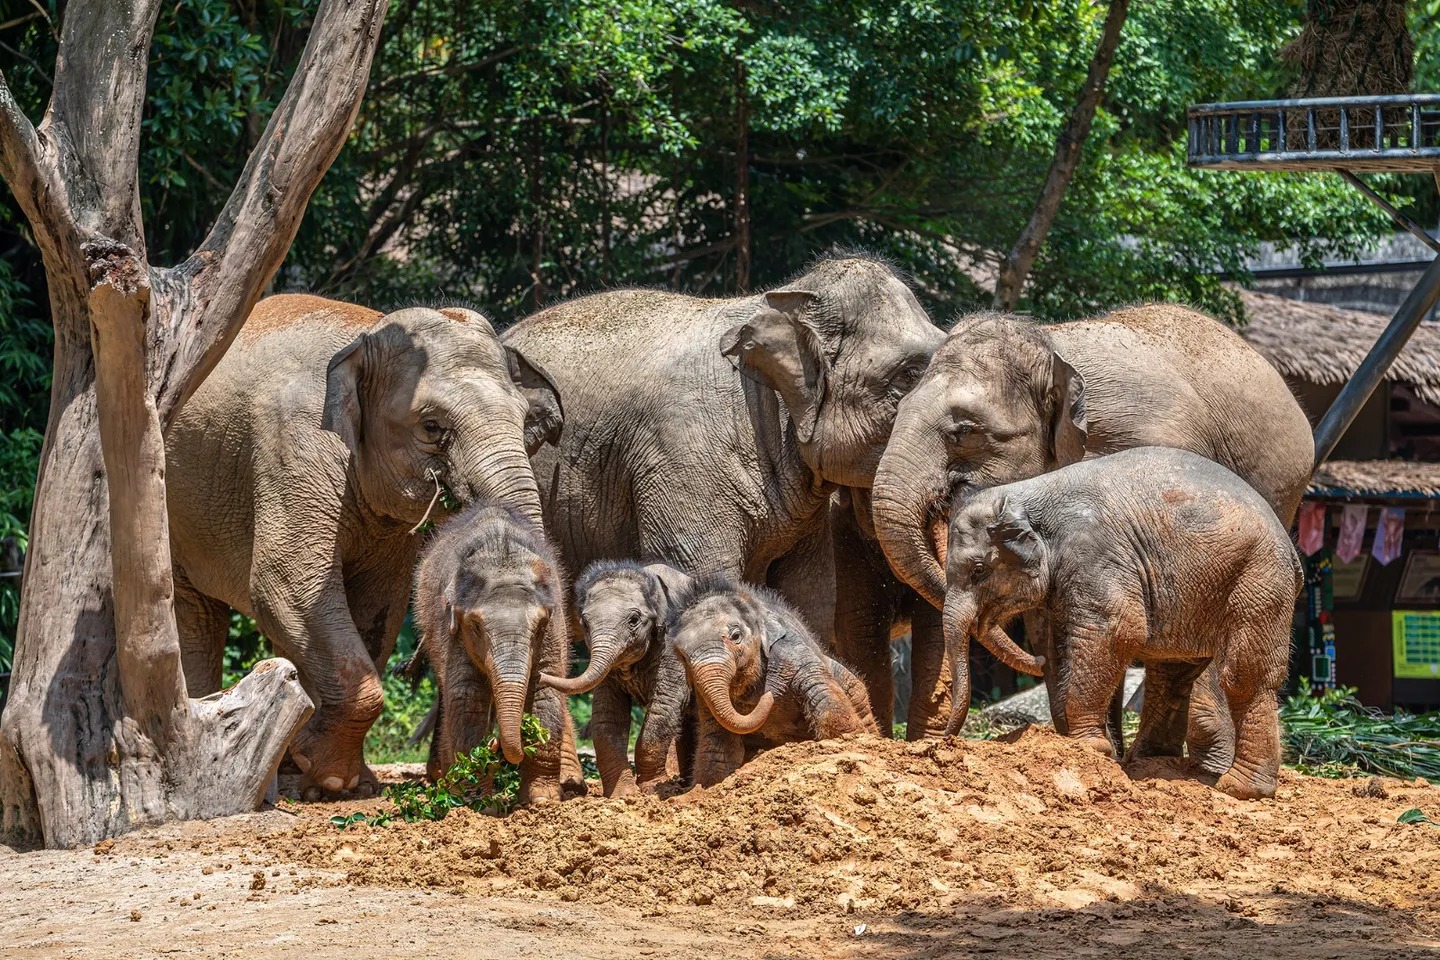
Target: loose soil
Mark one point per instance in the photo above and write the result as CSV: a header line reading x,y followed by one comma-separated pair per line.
x,y
1031,847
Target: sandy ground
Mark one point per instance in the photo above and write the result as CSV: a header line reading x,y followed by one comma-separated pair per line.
x,y
851,848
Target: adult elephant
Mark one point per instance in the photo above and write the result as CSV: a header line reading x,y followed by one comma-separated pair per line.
x,y
1005,399
299,472
710,434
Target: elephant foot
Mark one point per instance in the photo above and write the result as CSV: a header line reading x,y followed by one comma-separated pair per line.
x,y
624,787
540,792
1099,743
1213,757
1144,747
329,762
1246,787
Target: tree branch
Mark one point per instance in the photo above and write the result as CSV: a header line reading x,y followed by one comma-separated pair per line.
x,y
255,229
1016,266
96,105
21,161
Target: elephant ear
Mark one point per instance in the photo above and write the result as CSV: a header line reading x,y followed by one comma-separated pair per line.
x,y
546,417
1069,428
342,413
672,583
1012,535
775,631
780,349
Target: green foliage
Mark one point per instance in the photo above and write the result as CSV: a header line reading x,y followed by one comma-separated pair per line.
x,y
405,709
1414,815
481,780
1333,735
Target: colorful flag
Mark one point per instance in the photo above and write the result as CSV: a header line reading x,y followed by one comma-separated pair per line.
x,y
1389,535
1352,532
1312,527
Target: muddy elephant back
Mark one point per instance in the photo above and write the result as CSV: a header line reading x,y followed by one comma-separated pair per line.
x,y
1245,415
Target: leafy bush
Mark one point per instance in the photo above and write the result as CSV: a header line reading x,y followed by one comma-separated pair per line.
x,y
482,780
1334,735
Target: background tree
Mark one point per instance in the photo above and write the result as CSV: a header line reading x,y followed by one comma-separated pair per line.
x,y
99,734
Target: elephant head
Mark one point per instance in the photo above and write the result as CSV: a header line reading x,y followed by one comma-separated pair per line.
x,y
998,567
996,404
720,638
623,609
496,607
431,397
840,345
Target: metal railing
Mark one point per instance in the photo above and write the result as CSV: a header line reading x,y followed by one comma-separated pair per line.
x,y
1395,133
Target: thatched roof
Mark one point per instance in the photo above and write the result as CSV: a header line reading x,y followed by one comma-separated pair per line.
x,y
1376,478
1325,344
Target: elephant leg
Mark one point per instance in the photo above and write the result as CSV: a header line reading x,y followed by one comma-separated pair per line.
x,y
929,712
805,577
665,719
540,774
572,775
1043,641
300,606
867,597
1096,667
1167,705
1253,709
465,717
718,752
378,610
1210,732
204,625
610,729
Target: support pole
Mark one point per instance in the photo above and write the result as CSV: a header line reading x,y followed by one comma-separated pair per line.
x,y
1373,368
1401,221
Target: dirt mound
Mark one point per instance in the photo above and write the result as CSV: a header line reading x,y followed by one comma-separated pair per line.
x,y
878,826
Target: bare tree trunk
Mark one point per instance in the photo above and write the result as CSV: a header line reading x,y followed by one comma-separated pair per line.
x,y
742,182
1015,268
100,735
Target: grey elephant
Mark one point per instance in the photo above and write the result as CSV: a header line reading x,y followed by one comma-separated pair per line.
x,y
490,605
1005,399
1154,554
760,677
624,609
299,471
712,433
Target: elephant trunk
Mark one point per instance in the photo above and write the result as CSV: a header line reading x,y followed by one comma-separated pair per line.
x,y
906,490
509,710
959,621
603,651
712,686
499,471
998,642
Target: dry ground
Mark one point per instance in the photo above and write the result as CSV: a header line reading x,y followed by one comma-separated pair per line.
x,y
858,847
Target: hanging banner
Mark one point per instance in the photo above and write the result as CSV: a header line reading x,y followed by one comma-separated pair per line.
x,y
1352,532
1312,527
1389,535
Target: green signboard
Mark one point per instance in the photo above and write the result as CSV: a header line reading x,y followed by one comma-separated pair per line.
x,y
1417,643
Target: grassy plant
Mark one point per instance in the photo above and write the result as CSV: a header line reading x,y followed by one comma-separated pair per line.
x,y
1334,735
481,780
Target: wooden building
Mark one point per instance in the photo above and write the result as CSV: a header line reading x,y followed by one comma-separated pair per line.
x,y
1366,623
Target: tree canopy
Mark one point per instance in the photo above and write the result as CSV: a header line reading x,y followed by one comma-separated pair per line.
x,y
512,155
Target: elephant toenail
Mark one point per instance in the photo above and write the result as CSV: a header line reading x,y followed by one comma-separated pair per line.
x,y
333,784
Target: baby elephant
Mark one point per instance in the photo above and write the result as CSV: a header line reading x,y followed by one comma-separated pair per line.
x,y
1151,554
491,610
741,645
623,608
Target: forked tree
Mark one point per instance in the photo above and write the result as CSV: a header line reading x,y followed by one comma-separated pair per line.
x,y
100,735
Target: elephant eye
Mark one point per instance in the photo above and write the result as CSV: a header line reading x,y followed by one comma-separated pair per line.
x,y
435,431
634,618
979,570
734,635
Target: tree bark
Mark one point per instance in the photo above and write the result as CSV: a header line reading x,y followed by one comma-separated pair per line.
x,y
1015,268
100,735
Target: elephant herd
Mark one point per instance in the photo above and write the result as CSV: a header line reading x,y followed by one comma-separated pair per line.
x,y
736,503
